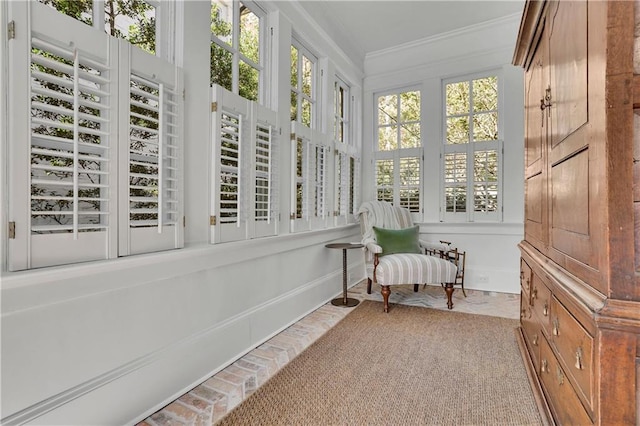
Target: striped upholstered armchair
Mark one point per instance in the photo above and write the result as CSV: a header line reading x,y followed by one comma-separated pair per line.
x,y
394,254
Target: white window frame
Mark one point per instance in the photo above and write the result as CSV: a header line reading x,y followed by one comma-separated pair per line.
x,y
347,159
397,157
315,84
469,150
237,56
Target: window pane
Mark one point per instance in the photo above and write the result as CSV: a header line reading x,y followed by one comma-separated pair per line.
x,y
485,94
485,126
134,21
222,20
294,106
457,95
294,67
306,113
456,199
82,10
249,40
387,138
410,135
410,106
221,64
249,80
307,76
387,109
457,130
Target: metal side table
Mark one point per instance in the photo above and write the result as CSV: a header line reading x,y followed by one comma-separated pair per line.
x,y
344,300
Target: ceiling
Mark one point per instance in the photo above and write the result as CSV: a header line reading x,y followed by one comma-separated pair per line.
x,y
361,27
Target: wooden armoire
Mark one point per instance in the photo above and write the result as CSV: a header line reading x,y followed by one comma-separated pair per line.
x,y
580,257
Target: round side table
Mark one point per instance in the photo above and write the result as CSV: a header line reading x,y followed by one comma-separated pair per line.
x,y
344,300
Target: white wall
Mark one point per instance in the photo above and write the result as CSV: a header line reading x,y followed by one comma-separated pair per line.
x,y
110,342
492,262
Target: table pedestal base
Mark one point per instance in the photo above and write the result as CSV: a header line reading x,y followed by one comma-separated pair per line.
x,y
339,301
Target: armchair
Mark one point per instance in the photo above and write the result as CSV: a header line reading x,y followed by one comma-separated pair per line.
x,y
401,267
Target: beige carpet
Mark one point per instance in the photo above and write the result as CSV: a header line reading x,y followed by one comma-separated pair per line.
x,y
412,366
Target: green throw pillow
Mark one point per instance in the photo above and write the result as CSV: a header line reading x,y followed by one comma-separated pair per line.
x,y
398,240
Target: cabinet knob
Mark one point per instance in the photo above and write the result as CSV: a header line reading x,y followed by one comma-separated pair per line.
x,y
556,327
559,375
544,366
545,309
535,339
534,293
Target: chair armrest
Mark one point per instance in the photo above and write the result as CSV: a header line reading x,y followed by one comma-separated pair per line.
x,y
432,246
372,246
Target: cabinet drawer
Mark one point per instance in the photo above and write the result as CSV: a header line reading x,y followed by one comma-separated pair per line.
x,y
541,302
525,276
562,397
532,331
575,348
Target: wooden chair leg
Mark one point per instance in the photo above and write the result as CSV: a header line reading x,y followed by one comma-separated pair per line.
x,y
448,288
416,287
386,291
368,285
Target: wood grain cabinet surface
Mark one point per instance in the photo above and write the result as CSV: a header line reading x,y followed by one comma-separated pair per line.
x,y
580,257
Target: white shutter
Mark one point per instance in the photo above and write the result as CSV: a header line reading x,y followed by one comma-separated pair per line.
x,y
150,153
229,121
265,146
300,188
62,91
354,188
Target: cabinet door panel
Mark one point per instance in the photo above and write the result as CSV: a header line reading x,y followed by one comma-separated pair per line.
x,y
568,59
536,118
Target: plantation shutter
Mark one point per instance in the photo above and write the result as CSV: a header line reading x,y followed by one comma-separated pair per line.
x,y
150,153
229,120
62,182
265,147
354,188
301,185
317,185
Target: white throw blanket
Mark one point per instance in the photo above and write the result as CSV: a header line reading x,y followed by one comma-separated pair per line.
x,y
380,214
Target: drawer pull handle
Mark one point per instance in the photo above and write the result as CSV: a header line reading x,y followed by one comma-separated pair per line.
x,y
556,327
544,367
579,364
534,293
545,309
559,376
535,339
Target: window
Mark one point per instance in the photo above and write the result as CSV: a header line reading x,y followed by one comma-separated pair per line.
x,y
245,172
303,85
472,149
347,162
309,147
398,157
103,134
237,55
